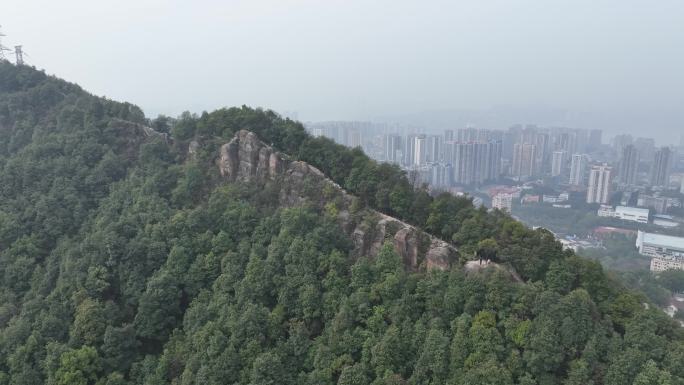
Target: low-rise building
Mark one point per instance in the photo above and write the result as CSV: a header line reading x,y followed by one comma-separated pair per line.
x,y
530,199
633,214
503,201
515,192
603,231
666,252
575,244
606,211
563,197
665,221
625,213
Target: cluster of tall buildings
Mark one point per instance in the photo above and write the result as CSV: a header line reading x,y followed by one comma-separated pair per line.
x,y
525,160
471,156
465,156
626,176
575,158
642,154
474,163
343,132
540,152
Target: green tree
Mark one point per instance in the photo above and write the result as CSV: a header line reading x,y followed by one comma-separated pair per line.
x,y
651,375
673,280
79,367
353,375
159,309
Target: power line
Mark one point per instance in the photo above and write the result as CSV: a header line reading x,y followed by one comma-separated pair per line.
x,y
19,53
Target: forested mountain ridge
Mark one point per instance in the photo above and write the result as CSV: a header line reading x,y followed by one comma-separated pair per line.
x,y
296,183
125,259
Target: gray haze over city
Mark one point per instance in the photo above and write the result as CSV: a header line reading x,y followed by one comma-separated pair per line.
x,y
610,65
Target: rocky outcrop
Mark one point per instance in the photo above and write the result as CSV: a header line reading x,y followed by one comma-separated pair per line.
x,y
477,266
246,158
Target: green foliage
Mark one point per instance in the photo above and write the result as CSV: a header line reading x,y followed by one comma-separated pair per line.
x,y
78,367
618,253
672,280
125,262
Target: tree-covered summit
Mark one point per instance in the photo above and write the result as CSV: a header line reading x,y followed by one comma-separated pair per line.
x,y
124,260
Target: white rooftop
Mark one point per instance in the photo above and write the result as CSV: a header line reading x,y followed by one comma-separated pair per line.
x,y
662,240
632,210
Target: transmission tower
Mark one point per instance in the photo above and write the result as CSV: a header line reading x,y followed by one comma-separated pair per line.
x,y
2,47
19,54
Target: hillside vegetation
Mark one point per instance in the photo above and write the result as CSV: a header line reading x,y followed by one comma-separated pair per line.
x,y
126,260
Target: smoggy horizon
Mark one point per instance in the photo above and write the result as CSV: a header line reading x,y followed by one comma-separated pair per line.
x,y
613,65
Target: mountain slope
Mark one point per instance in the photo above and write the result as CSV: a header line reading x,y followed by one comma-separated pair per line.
x,y
125,258
246,158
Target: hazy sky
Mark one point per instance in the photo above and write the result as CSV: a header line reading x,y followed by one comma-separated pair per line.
x,y
608,64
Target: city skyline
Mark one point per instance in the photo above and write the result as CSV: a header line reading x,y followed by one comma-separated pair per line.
x,y
572,160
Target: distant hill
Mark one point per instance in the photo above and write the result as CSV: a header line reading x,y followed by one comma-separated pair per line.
x,y
232,247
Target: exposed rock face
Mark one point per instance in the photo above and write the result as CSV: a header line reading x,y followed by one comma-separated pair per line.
x,y
246,158
192,149
477,266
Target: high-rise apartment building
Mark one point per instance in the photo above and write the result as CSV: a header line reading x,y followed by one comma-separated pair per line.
x,y
409,150
392,148
567,141
620,141
595,140
524,160
543,154
660,170
510,138
465,135
420,149
599,184
528,134
463,162
558,163
629,165
577,167
473,162
434,149
646,148
353,137
440,175
492,165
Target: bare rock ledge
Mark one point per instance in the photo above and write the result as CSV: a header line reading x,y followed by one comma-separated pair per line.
x,y
246,158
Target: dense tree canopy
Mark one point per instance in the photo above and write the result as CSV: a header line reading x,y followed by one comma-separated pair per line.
x,y
123,260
